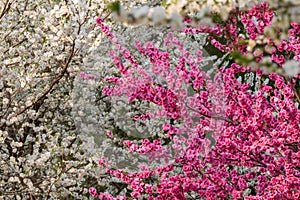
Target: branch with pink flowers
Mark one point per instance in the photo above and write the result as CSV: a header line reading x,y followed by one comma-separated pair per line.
x,y
236,140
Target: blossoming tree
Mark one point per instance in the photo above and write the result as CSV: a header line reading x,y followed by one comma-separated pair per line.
x,y
200,111
233,134
42,48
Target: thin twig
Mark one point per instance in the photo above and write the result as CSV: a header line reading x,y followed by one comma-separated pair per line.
x,y
5,8
211,117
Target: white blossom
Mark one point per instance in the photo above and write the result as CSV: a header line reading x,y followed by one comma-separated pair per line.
x,y
291,68
158,15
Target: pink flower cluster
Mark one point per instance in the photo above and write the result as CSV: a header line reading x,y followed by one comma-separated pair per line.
x,y
103,196
87,76
256,19
256,152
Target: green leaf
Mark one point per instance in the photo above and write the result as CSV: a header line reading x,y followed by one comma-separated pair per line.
x,y
164,4
216,18
115,6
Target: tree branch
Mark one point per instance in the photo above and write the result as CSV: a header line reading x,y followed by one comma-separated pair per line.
x,y
50,87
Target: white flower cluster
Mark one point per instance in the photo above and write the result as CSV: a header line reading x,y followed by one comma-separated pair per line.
x,y
172,12
291,67
146,13
42,48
